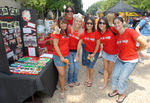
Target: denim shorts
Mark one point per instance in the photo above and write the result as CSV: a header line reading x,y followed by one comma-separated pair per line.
x,y
88,63
58,62
109,57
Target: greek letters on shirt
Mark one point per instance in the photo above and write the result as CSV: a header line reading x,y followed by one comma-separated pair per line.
x,y
107,37
91,39
74,36
122,41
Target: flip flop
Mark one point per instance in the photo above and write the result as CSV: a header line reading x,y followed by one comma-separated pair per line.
x,y
85,83
77,83
112,94
70,85
89,84
123,98
62,95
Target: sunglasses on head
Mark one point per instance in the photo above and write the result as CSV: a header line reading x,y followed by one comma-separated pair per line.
x,y
89,23
69,11
102,23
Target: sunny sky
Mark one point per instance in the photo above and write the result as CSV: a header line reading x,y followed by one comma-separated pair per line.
x,y
88,3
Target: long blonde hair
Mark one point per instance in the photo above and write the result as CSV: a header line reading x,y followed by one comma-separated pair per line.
x,y
110,18
80,30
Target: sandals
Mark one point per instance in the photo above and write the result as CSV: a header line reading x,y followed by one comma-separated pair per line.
x,y
85,83
77,83
113,94
89,84
62,95
120,98
70,84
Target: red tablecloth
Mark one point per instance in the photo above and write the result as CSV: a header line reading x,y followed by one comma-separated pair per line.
x,y
42,43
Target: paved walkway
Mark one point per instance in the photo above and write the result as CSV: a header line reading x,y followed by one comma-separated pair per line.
x,y
138,90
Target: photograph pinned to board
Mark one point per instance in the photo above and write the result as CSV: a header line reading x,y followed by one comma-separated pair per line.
x,y
4,32
21,55
4,25
12,11
9,36
17,12
18,50
5,11
16,24
7,48
31,51
10,54
30,40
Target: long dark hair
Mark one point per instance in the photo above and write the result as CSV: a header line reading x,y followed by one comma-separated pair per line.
x,y
69,6
93,21
119,18
63,19
106,21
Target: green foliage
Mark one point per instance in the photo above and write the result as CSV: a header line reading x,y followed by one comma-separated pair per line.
x,y
41,5
78,6
106,4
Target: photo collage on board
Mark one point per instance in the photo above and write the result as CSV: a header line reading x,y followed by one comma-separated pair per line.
x,y
29,30
11,33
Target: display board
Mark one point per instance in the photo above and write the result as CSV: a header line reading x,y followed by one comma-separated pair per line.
x,y
10,37
29,32
17,36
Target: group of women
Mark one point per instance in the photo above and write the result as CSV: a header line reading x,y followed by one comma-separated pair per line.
x,y
119,53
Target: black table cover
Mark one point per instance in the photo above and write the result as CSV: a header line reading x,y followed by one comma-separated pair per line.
x,y
15,88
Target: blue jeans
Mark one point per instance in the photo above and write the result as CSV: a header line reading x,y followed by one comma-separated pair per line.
x,y
121,72
73,68
83,55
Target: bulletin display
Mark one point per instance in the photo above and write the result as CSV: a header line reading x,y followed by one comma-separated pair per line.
x,y
18,38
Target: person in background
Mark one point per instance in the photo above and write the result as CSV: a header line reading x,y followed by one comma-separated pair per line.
x,y
126,25
144,29
92,48
116,14
69,11
109,52
75,31
127,58
110,18
61,50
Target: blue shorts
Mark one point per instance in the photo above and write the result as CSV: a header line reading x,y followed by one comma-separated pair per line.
x,y
58,62
88,63
109,57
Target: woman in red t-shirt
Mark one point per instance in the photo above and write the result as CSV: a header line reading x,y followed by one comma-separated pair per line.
x,y
75,32
127,58
92,48
61,50
69,11
109,52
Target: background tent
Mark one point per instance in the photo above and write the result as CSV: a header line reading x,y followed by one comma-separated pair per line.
x,y
122,7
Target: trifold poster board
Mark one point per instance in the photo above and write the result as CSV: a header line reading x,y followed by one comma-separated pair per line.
x,y
18,36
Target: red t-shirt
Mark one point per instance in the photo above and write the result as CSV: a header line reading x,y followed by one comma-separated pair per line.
x,y
73,39
63,44
109,41
127,45
90,40
70,22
